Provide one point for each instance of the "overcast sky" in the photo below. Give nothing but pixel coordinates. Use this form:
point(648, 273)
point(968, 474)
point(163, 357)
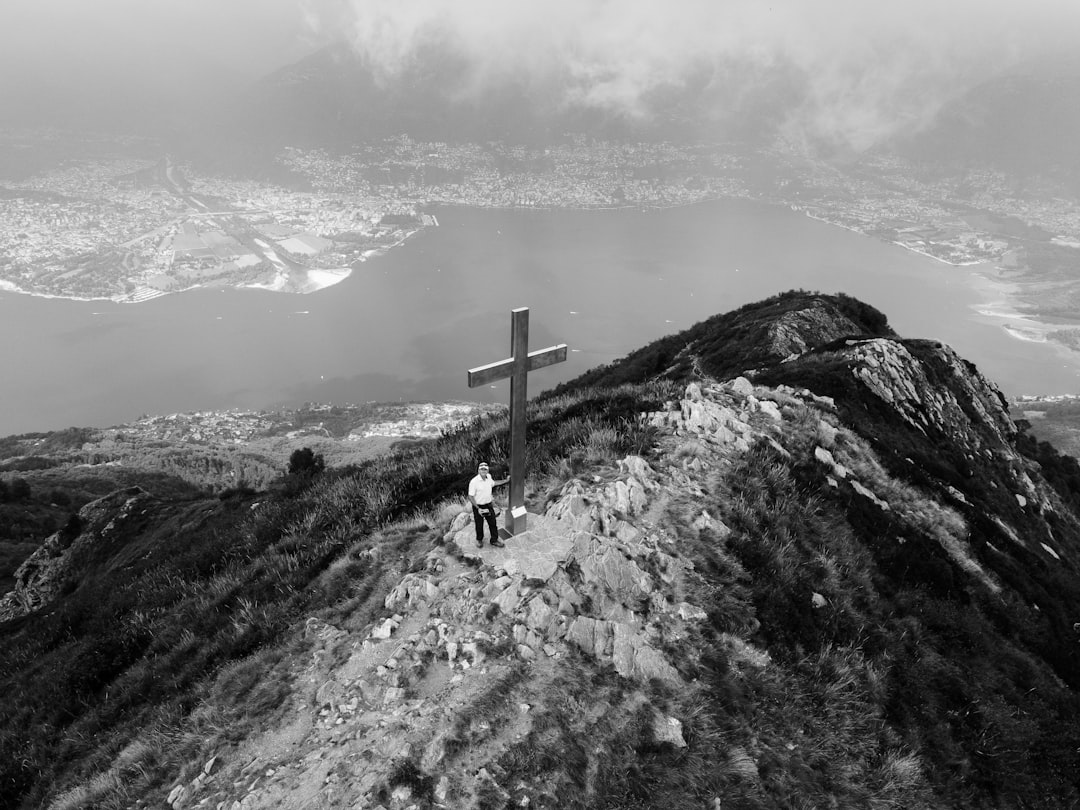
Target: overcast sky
point(117, 53)
point(870, 67)
point(874, 65)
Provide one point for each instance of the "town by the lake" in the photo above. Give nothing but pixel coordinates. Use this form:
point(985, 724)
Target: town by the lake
point(118, 227)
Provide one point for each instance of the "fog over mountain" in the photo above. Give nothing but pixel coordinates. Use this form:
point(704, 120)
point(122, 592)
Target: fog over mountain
point(116, 63)
point(837, 70)
point(840, 72)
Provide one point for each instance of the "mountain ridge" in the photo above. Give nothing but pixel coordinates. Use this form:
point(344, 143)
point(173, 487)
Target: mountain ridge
point(788, 556)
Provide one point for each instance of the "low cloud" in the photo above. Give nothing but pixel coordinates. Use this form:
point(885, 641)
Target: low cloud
point(120, 58)
point(852, 72)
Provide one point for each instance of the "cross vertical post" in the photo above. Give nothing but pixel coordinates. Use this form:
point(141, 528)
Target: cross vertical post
point(519, 347)
point(517, 368)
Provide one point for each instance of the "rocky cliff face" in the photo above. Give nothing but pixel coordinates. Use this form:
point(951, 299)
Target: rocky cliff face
point(798, 330)
point(59, 562)
point(937, 421)
point(834, 579)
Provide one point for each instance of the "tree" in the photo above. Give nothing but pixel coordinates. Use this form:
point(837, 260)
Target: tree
point(19, 489)
point(306, 463)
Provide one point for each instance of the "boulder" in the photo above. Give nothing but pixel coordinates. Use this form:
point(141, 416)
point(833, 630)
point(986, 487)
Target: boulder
point(508, 599)
point(741, 385)
point(606, 568)
point(384, 629)
point(668, 730)
point(540, 617)
point(770, 409)
point(592, 636)
point(635, 659)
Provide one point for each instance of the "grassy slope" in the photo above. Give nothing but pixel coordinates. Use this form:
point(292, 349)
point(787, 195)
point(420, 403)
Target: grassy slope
point(207, 582)
point(52, 492)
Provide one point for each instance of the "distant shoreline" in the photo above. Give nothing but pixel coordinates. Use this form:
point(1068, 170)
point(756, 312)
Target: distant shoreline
point(625, 207)
point(328, 278)
point(318, 279)
point(324, 278)
point(220, 349)
point(890, 241)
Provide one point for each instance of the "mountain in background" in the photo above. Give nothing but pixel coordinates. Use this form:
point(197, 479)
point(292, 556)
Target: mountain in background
point(1025, 123)
point(334, 99)
point(785, 557)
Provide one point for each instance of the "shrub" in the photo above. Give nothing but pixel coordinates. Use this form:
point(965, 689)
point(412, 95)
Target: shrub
point(19, 490)
point(305, 462)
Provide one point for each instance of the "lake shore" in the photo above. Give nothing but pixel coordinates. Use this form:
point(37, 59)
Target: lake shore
point(406, 325)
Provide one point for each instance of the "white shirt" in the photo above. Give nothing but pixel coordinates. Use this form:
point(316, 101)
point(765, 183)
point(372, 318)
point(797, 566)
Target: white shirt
point(480, 489)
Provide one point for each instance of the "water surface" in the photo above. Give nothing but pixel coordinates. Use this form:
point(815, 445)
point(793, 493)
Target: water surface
point(408, 324)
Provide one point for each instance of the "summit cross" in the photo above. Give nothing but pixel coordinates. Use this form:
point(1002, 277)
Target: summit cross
point(517, 367)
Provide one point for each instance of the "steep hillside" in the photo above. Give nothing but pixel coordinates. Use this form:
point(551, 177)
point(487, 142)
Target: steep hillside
point(785, 559)
point(47, 477)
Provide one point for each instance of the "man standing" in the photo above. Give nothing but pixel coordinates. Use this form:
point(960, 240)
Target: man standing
point(482, 506)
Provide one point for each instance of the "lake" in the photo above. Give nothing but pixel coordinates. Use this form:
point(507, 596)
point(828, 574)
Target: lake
point(407, 325)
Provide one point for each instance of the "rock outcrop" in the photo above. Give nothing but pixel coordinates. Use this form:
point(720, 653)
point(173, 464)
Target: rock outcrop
point(596, 575)
point(599, 575)
point(932, 416)
point(961, 404)
point(800, 330)
point(59, 561)
point(585, 579)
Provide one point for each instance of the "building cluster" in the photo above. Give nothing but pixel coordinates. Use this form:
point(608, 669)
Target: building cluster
point(125, 229)
point(202, 427)
point(310, 229)
point(1036, 202)
point(92, 229)
point(884, 197)
point(576, 174)
point(74, 231)
point(426, 420)
point(415, 420)
point(1056, 399)
point(288, 212)
point(958, 219)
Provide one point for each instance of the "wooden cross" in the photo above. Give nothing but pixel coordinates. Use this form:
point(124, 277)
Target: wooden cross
point(517, 367)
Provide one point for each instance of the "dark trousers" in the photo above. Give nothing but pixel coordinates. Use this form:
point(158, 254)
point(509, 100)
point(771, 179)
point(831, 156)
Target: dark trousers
point(482, 513)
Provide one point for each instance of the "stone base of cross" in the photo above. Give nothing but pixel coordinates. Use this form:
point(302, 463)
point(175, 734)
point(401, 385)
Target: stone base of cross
point(516, 368)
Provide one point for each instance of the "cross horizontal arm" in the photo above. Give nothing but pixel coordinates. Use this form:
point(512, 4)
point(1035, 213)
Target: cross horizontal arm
point(482, 375)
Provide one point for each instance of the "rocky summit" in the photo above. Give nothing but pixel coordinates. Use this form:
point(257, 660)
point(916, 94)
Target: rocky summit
point(786, 558)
